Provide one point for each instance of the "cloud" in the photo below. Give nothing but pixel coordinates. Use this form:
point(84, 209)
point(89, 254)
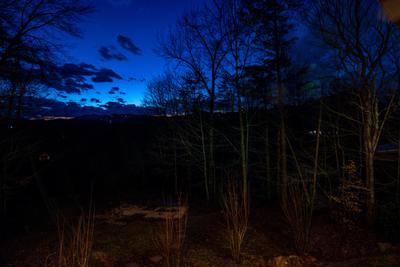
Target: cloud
point(134, 79)
point(121, 100)
point(102, 79)
point(74, 78)
point(113, 90)
point(127, 44)
point(62, 96)
point(106, 75)
point(87, 66)
point(77, 72)
point(78, 85)
point(110, 53)
point(95, 100)
point(69, 86)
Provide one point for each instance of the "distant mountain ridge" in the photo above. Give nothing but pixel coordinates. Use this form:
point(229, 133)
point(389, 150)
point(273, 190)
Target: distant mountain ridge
point(37, 108)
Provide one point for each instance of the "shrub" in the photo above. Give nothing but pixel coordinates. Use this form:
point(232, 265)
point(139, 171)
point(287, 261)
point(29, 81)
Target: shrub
point(298, 210)
point(76, 241)
point(349, 201)
point(170, 236)
point(236, 211)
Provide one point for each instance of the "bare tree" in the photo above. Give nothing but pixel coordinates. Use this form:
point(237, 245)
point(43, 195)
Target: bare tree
point(241, 52)
point(162, 93)
point(361, 42)
point(198, 45)
point(30, 38)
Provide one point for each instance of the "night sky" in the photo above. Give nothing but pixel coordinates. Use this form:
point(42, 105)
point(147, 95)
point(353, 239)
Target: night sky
point(120, 35)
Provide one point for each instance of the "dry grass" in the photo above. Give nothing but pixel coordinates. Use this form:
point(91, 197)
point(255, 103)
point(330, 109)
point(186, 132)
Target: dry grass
point(298, 210)
point(76, 241)
point(236, 213)
point(299, 199)
point(170, 236)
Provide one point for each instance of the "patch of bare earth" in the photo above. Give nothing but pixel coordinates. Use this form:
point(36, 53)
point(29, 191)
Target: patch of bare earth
point(124, 236)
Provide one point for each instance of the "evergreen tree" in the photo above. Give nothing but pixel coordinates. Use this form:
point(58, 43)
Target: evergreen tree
point(273, 22)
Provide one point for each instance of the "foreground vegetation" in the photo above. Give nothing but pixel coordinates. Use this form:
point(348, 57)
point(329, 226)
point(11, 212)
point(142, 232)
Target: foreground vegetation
point(278, 161)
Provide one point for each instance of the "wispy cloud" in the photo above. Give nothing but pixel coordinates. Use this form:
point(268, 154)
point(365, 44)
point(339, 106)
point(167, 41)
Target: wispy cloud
point(110, 53)
point(127, 44)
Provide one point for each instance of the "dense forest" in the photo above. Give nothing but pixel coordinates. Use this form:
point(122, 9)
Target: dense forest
point(271, 139)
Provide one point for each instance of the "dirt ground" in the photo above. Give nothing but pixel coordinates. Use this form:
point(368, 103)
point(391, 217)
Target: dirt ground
point(129, 242)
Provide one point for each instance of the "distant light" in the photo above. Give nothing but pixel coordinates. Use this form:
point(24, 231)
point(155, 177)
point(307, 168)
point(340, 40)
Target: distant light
point(44, 157)
point(314, 132)
point(52, 118)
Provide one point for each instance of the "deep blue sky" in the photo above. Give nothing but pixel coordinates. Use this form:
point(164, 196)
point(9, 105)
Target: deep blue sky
point(139, 20)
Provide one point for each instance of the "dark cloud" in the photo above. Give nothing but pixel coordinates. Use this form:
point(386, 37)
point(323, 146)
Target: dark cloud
point(106, 75)
point(78, 85)
point(102, 79)
point(73, 79)
point(62, 96)
point(63, 87)
point(133, 79)
point(68, 78)
point(72, 104)
point(70, 86)
point(95, 100)
point(113, 91)
point(121, 100)
point(77, 71)
point(127, 44)
point(122, 93)
point(110, 53)
point(83, 100)
point(87, 66)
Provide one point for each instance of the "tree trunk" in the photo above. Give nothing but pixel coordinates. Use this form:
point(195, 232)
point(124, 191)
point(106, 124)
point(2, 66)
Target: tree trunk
point(268, 163)
point(282, 155)
point(211, 152)
point(371, 187)
point(11, 100)
point(283, 160)
point(243, 144)
point(398, 171)
point(205, 162)
point(369, 126)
